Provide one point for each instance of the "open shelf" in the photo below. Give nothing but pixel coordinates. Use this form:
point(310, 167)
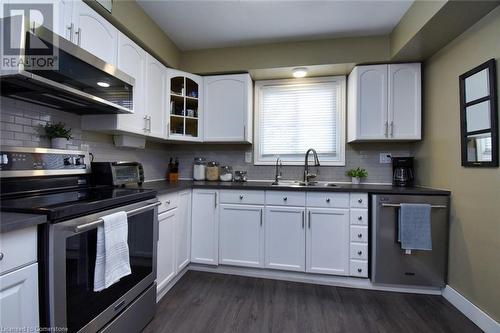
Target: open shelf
point(184, 94)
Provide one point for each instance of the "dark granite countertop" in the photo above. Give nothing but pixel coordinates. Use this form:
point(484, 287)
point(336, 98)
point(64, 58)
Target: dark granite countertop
point(13, 221)
point(163, 187)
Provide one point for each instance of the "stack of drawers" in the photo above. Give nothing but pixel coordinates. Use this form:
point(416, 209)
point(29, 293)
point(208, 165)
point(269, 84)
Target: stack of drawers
point(358, 247)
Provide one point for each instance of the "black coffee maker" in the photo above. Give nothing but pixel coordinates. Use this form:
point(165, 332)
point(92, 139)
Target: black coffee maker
point(402, 171)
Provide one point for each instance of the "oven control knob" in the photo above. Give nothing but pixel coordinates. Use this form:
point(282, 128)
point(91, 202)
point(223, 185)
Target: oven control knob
point(77, 161)
point(67, 161)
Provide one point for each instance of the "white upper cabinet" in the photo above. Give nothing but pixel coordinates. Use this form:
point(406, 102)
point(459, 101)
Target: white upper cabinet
point(404, 101)
point(185, 106)
point(156, 82)
point(228, 108)
point(384, 103)
point(94, 33)
point(327, 241)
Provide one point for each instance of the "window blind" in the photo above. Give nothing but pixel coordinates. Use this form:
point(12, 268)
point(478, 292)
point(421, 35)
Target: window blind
point(296, 117)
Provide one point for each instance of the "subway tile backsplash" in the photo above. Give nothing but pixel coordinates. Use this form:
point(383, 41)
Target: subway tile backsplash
point(21, 125)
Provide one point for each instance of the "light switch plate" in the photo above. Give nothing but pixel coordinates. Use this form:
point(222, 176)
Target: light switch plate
point(248, 156)
point(385, 158)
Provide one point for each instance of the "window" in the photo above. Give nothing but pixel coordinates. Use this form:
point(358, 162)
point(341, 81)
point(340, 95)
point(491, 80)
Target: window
point(295, 115)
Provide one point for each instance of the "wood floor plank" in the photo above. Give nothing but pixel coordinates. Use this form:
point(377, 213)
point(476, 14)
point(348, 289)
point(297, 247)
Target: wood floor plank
point(207, 302)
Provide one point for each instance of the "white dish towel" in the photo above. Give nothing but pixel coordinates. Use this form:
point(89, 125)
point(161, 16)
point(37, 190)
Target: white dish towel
point(112, 255)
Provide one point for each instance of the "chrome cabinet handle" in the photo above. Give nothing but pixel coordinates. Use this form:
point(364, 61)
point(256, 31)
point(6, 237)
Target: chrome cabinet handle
point(1, 256)
point(360, 218)
point(145, 128)
point(360, 253)
point(328, 200)
point(285, 198)
point(244, 132)
point(392, 129)
point(309, 219)
point(360, 200)
point(215, 201)
point(261, 217)
point(360, 235)
point(303, 218)
point(386, 131)
point(148, 122)
point(79, 36)
point(71, 28)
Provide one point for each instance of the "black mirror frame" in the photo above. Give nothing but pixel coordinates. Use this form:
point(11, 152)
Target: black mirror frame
point(492, 97)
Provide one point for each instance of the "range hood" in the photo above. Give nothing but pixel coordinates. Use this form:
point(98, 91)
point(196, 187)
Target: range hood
point(41, 67)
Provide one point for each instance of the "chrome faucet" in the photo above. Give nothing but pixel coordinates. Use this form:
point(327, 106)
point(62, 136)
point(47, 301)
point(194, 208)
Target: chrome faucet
point(279, 173)
point(307, 175)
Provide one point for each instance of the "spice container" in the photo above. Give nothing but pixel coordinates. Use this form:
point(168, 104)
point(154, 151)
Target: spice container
point(212, 171)
point(240, 176)
point(226, 173)
point(199, 168)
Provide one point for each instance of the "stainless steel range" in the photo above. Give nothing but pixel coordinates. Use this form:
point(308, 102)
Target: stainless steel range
point(57, 183)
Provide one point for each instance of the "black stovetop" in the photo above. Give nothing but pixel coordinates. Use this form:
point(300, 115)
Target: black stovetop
point(65, 204)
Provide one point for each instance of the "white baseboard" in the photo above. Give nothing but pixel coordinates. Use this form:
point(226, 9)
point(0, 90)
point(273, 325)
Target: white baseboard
point(327, 280)
point(475, 314)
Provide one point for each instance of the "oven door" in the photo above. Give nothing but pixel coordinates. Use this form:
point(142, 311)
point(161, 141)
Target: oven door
point(72, 253)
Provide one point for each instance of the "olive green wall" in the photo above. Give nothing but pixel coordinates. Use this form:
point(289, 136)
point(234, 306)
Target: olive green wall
point(474, 253)
point(129, 17)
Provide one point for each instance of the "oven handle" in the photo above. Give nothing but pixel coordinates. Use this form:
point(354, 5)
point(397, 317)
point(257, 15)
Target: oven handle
point(91, 225)
point(399, 205)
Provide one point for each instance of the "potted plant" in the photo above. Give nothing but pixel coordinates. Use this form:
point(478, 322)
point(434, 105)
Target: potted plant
point(357, 174)
point(58, 135)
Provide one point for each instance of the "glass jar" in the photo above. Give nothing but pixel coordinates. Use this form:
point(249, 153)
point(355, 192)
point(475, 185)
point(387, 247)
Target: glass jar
point(226, 173)
point(240, 176)
point(212, 171)
point(199, 166)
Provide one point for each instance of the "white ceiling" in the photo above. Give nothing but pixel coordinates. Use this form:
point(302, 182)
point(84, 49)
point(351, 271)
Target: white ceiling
point(210, 24)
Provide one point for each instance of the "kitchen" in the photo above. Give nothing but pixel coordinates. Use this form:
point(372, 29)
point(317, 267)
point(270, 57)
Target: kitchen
point(273, 166)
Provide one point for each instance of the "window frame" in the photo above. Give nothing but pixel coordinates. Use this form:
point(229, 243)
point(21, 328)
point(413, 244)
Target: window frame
point(341, 107)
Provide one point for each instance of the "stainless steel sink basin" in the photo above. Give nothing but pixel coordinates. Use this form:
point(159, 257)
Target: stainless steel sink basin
point(297, 183)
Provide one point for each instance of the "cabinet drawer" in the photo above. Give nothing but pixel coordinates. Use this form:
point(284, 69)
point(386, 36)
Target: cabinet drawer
point(325, 199)
point(17, 248)
point(168, 201)
point(359, 200)
point(358, 268)
point(359, 216)
point(358, 251)
point(242, 197)
point(359, 233)
point(289, 198)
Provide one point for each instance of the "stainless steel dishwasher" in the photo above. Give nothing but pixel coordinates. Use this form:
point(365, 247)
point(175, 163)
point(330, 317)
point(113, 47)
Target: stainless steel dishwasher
point(392, 265)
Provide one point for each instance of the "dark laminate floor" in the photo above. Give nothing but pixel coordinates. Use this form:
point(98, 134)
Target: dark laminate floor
point(205, 302)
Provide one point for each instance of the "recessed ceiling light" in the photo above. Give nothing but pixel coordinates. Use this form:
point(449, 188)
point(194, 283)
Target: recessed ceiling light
point(103, 84)
point(300, 72)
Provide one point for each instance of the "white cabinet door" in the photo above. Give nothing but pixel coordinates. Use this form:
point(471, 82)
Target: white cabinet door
point(166, 248)
point(371, 100)
point(241, 230)
point(228, 108)
point(183, 231)
point(327, 241)
point(156, 80)
point(205, 227)
point(285, 238)
point(19, 298)
point(405, 100)
point(132, 60)
point(94, 33)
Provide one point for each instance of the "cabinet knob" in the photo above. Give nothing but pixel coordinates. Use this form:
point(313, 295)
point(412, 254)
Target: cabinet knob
point(285, 198)
point(241, 197)
point(360, 253)
point(327, 199)
point(1, 255)
point(360, 200)
point(167, 202)
point(360, 235)
point(359, 270)
point(360, 218)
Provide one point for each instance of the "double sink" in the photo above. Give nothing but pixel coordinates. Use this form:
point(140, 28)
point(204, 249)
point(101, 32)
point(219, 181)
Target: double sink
point(297, 183)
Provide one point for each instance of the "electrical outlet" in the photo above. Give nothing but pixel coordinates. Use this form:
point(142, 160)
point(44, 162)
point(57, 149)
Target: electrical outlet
point(248, 156)
point(385, 158)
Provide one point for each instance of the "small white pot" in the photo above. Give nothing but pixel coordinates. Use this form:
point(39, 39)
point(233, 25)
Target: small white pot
point(59, 143)
point(355, 180)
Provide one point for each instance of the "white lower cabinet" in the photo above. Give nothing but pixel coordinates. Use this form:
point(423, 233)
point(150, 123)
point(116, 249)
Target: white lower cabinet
point(19, 298)
point(205, 227)
point(183, 231)
point(327, 241)
point(285, 238)
point(241, 235)
point(166, 248)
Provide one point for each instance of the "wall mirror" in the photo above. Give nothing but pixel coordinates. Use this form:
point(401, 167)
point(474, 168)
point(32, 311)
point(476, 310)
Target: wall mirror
point(479, 116)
